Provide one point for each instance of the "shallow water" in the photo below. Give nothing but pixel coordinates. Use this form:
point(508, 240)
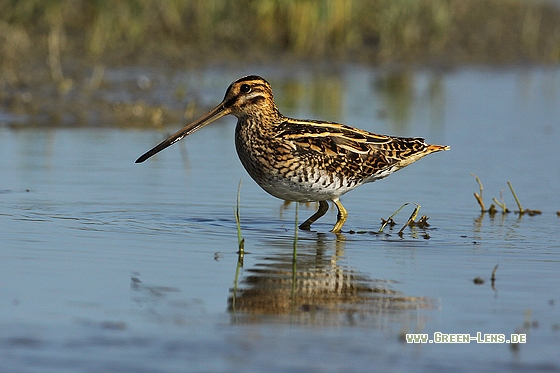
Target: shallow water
point(108, 265)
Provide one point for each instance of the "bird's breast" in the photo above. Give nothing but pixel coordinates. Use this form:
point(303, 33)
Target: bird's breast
point(283, 172)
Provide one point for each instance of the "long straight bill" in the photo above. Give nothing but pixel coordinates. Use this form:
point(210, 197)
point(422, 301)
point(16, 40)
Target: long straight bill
point(216, 113)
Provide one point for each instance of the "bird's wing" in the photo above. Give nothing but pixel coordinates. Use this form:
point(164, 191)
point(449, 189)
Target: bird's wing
point(341, 146)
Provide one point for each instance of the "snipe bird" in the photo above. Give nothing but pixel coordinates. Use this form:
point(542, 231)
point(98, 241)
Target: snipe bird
point(303, 160)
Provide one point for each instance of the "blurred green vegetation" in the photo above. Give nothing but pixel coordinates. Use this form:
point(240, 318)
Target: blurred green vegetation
point(195, 31)
point(54, 53)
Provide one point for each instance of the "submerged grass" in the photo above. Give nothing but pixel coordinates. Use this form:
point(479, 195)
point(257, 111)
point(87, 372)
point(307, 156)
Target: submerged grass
point(410, 222)
point(492, 210)
point(240, 251)
point(480, 281)
point(240, 239)
point(390, 220)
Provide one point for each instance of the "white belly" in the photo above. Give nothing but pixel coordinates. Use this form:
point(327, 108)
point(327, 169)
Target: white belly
point(318, 188)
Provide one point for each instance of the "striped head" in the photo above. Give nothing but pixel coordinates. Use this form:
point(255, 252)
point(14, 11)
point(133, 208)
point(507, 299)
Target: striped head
point(249, 95)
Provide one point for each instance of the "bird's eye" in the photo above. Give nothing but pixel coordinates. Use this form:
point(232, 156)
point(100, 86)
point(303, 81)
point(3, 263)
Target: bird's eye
point(245, 88)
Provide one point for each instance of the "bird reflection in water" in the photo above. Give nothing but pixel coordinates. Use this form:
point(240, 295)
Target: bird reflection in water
point(315, 289)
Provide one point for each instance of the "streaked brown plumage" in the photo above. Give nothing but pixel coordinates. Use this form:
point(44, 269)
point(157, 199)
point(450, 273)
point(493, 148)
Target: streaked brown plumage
point(303, 160)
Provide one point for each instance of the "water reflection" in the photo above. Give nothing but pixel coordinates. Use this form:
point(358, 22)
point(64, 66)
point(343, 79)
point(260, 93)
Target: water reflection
point(162, 304)
point(316, 289)
point(323, 95)
point(396, 90)
point(138, 97)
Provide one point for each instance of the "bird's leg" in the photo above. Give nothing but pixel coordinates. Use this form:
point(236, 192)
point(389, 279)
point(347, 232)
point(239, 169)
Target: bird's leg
point(342, 215)
point(323, 208)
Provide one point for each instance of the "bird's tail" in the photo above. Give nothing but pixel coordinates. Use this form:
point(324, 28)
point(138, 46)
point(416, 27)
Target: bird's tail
point(437, 148)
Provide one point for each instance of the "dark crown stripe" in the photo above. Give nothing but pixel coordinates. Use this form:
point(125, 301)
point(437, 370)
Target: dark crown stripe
point(249, 78)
